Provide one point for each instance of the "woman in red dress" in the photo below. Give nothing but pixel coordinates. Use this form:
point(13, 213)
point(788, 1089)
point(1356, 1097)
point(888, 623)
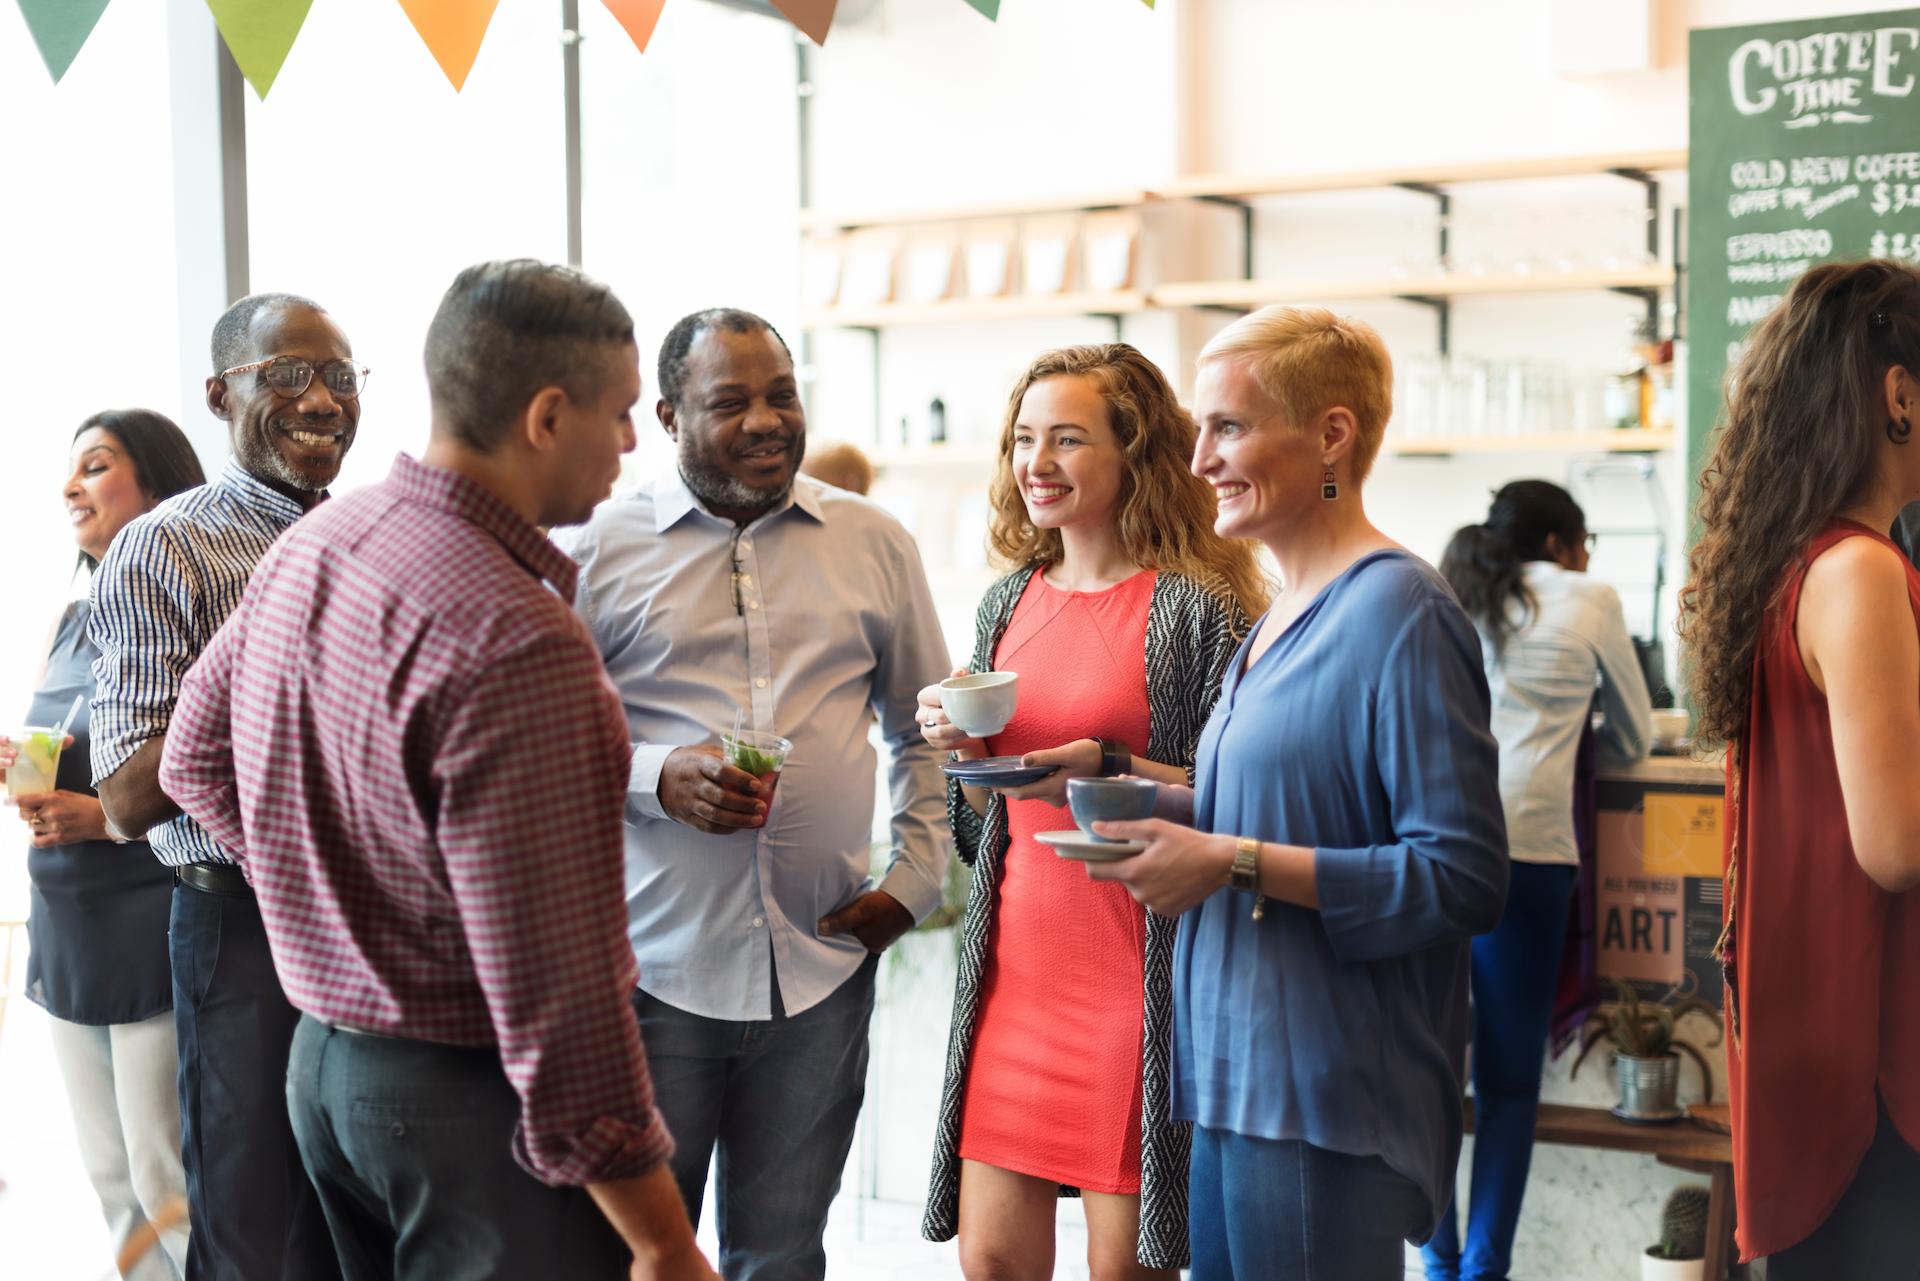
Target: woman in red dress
point(1120, 617)
point(1803, 625)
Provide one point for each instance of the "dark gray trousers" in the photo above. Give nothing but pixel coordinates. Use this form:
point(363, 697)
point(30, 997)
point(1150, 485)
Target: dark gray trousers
point(411, 1147)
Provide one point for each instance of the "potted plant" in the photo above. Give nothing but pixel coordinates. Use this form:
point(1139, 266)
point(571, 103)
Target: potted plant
point(1647, 1052)
point(1681, 1254)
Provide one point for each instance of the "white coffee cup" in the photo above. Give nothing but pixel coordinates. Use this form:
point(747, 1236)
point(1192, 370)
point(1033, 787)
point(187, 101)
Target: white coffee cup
point(980, 704)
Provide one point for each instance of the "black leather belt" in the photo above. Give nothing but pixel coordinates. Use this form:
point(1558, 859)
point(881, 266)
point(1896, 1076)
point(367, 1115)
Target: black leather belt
point(214, 878)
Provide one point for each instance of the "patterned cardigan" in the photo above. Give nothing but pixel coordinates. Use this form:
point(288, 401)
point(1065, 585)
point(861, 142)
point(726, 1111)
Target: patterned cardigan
point(1193, 630)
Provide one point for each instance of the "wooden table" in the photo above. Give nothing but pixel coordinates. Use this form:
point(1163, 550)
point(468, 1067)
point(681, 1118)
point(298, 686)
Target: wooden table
point(1685, 1144)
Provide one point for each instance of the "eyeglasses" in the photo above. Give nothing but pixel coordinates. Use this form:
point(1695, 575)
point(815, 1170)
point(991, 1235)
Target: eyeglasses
point(290, 376)
point(1592, 541)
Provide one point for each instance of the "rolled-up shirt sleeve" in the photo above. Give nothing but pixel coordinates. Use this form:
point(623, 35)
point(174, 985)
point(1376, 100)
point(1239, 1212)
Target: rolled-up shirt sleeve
point(196, 767)
point(1445, 877)
point(144, 604)
point(531, 777)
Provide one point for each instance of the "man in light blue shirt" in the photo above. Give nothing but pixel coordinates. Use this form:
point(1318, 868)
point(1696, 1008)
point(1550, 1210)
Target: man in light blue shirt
point(732, 586)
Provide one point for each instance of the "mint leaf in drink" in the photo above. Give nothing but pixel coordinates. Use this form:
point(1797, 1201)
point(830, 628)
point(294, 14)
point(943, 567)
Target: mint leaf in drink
point(753, 760)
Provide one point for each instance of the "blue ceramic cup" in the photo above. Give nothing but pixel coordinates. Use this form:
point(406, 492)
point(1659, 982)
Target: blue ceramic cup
point(1101, 800)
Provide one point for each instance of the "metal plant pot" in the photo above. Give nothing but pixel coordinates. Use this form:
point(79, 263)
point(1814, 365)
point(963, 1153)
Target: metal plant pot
point(1649, 1088)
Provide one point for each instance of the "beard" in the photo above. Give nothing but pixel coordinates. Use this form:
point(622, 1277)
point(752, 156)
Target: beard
point(264, 459)
point(718, 488)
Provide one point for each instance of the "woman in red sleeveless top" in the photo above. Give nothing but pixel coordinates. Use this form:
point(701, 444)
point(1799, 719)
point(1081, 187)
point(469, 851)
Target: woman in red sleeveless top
point(1120, 615)
point(1802, 623)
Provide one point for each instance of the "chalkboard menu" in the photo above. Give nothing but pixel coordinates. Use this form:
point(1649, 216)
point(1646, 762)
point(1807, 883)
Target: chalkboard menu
point(1805, 146)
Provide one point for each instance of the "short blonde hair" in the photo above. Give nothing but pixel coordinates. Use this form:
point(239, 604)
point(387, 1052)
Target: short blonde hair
point(1308, 360)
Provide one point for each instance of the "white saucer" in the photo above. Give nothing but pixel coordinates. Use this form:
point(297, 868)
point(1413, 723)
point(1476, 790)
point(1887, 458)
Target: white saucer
point(1076, 844)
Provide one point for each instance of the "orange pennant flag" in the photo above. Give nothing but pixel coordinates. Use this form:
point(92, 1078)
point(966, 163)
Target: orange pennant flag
point(811, 16)
point(639, 17)
point(452, 30)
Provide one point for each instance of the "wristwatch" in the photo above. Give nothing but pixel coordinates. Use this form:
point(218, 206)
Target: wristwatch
point(1246, 872)
point(1114, 757)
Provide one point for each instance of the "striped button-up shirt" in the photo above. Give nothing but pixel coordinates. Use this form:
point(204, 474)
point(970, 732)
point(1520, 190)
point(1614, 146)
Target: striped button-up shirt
point(171, 577)
point(410, 743)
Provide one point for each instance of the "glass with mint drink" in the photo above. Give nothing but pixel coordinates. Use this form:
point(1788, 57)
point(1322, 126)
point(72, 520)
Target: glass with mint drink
point(759, 754)
point(35, 768)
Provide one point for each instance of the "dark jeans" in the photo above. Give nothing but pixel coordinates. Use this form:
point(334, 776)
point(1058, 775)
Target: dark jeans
point(411, 1146)
point(779, 1099)
point(1268, 1210)
point(1515, 975)
point(1875, 1230)
point(253, 1212)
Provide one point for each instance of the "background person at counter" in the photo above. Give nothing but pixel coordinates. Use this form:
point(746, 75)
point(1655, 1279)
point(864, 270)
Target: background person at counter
point(1348, 775)
point(1803, 622)
point(1547, 632)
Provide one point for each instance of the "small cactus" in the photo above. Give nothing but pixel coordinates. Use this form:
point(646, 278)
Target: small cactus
point(1683, 1224)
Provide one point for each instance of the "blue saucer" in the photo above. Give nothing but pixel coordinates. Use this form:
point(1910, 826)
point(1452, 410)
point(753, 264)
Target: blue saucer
point(996, 771)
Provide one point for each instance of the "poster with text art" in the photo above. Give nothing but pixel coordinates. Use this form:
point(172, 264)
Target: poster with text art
point(1657, 899)
point(1804, 146)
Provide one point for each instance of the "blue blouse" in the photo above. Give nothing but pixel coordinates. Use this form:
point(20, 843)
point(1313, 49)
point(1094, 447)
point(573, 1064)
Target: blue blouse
point(1361, 733)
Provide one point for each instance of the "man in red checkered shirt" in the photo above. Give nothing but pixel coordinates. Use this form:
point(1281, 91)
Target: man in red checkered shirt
point(406, 735)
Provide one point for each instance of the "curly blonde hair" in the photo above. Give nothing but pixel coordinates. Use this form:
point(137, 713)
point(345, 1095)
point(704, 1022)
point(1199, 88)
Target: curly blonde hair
point(1804, 416)
point(1164, 518)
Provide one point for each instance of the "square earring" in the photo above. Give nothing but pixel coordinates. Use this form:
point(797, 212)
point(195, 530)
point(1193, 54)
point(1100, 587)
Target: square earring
point(1329, 489)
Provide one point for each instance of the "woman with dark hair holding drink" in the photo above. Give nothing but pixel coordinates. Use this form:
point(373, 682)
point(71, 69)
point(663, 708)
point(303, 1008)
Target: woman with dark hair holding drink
point(1548, 634)
point(97, 920)
point(1802, 627)
point(1121, 612)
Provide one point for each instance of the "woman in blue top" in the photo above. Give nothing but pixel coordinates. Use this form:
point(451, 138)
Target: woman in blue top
point(1341, 843)
point(97, 915)
point(1549, 633)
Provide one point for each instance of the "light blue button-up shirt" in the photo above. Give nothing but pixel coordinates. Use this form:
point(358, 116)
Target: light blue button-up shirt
point(834, 624)
point(1542, 683)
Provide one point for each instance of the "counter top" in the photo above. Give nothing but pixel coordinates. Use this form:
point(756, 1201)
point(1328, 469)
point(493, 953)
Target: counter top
point(1709, 771)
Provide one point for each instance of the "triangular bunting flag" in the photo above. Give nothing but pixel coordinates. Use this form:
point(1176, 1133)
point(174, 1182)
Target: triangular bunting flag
point(991, 8)
point(811, 16)
point(60, 27)
point(258, 34)
point(639, 17)
point(452, 30)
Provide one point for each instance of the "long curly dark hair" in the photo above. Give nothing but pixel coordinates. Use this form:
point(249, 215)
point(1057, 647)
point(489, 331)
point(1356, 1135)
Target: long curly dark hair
point(1165, 514)
point(1805, 412)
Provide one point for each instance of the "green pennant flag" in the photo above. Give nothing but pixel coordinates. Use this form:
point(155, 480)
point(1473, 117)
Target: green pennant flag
point(990, 8)
point(258, 34)
point(60, 27)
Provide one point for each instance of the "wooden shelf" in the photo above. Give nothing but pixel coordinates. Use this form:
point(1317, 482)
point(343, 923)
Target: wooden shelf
point(1632, 441)
point(960, 310)
point(936, 456)
point(1563, 442)
point(1232, 187)
point(829, 220)
point(1458, 284)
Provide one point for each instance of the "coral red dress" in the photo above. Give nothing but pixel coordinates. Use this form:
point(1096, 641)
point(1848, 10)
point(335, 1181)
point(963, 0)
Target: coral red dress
point(1826, 963)
point(1053, 1089)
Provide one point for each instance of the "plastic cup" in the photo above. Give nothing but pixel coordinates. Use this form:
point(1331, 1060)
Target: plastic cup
point(37, 767)
point(759, 754)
